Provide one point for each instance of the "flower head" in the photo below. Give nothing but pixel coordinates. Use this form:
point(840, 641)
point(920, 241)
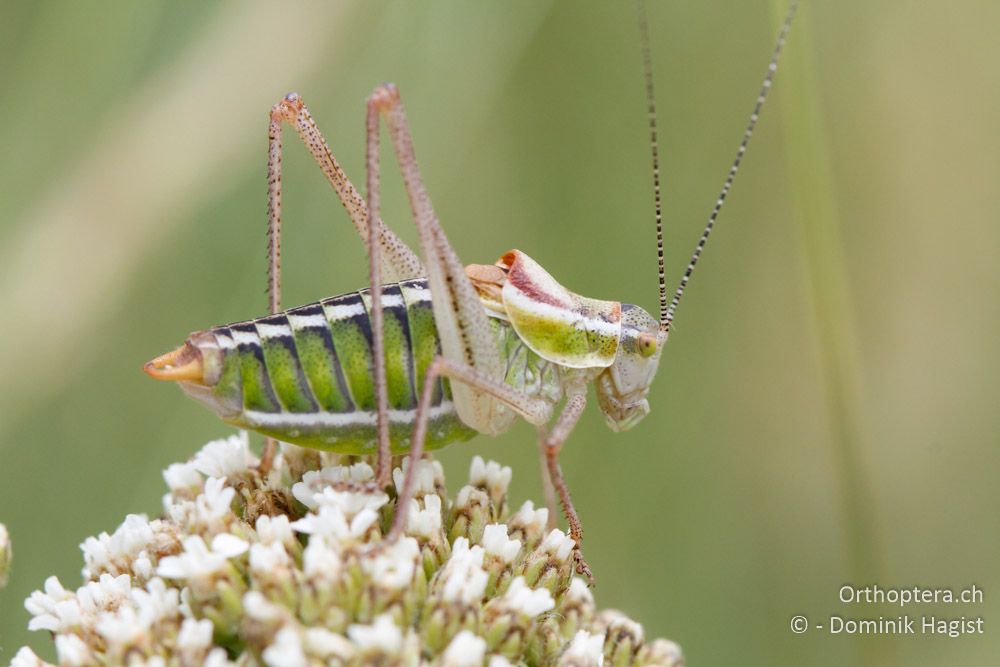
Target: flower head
point(310, 581)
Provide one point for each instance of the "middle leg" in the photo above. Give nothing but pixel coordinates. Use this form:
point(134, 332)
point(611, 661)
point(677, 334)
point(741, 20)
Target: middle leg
point(533, 410)
point(552, 445)
point(383, 464)
point(547, 488)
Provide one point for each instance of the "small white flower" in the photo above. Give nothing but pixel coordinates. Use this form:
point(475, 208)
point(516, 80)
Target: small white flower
point(150, 661)
point(156, 601)
point(67, 615)
point(101, 553)
point(217, 658)
point(142, 567)
point(197, 561)
point(491, 476)
point(73, 651)
point(525, 601)
point(44, 606)
point(499, 661)
point(179, 512)
point(183, 478)
point(272, 529)
point(285, 650)
point(578, 593)
point(464, 579)
point(465, 650)
point(428, 476)
point(619, 625)
point(330, 522)
point(214, 506)
point(320, 562)
point(25, 657)
point(315, 481)
point(195, 636)
point(425, 523)
point(351, 503)
point(259, 608)
point(558, 544)
point(225, 458)
point(665, 653)
point(123, 628)
point(228, 545)
point(105, 593)
point(131, 624)
point(58, 610)
point(112, 553)
point(382, 635)
point(529, 519)
point(496, 543)
point(327, 645)
point(266, 559)
point(393, 567)
point(585, 649)
point(469, 496)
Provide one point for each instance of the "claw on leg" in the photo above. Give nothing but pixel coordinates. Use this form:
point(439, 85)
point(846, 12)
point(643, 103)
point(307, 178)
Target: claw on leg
point(552, 445)
point(582, 568)
point(572, 520)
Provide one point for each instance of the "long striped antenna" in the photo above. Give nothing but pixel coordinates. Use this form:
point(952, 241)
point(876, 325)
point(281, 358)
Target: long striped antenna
point(667, 318)
point(647, 66)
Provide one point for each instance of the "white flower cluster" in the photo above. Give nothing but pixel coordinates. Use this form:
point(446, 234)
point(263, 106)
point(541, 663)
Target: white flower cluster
point(290, 570)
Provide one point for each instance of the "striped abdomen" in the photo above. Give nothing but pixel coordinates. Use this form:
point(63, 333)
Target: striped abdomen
point(305, 376)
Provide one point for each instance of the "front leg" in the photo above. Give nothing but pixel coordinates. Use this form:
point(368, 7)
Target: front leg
point(551, 445)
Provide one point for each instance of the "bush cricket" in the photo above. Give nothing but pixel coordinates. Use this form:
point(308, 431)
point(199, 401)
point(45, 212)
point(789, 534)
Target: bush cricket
point(433, 351)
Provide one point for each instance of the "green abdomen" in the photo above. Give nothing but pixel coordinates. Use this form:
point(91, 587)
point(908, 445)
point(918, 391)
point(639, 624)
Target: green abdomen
point(305, 376)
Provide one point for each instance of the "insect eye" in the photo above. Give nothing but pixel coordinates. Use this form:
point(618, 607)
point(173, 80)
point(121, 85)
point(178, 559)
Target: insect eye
point(647, 344)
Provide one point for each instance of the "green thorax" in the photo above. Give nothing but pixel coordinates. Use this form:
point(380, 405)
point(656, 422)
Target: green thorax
point(561, 326)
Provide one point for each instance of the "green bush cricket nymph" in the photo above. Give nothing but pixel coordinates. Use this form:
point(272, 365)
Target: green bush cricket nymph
point(451, 350)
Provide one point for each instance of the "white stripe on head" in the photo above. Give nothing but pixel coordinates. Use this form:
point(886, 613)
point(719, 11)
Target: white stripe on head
point(563, 315)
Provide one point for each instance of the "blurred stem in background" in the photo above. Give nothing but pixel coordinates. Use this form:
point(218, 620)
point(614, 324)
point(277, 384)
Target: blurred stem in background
point(814, 197)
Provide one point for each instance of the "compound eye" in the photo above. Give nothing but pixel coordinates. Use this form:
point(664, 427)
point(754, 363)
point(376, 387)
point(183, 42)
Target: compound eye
point(647, 344)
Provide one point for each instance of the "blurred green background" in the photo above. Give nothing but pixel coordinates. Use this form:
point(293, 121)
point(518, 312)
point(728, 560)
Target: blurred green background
point(826, 411)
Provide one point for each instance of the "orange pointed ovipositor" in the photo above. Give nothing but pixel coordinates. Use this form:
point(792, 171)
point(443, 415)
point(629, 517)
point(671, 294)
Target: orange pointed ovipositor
point(179, 365)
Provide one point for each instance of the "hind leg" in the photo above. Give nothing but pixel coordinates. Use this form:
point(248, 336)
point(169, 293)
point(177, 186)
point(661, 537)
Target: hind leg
point(462, 325)
point(391, 256)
